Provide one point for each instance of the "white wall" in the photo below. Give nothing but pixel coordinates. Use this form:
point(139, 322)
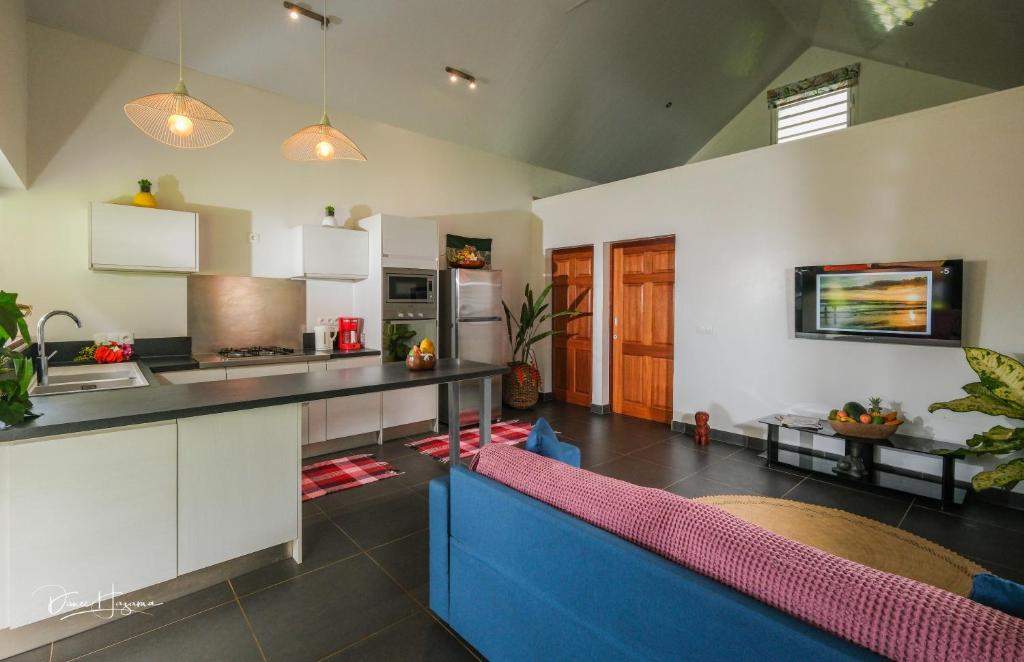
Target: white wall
point(13, 94)
point(938, 183)
point(83, 148)
point(883, 91)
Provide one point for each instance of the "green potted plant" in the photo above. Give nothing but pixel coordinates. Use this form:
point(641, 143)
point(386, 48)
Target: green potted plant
point(999, 393)
point(15, 368)
point(520, 388)
point(329, 221)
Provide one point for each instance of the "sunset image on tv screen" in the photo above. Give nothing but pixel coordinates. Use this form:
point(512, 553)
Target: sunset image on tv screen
point(883, 302)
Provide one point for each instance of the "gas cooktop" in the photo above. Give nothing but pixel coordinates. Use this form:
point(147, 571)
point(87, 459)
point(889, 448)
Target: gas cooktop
point(256, 355)
point(252, 352)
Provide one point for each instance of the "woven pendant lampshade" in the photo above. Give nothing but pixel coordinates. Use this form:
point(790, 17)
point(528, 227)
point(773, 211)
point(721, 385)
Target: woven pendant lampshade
point(321, 142)
point(177, 119)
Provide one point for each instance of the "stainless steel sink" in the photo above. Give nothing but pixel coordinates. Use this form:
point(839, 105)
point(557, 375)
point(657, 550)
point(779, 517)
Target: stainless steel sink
point(85, 378)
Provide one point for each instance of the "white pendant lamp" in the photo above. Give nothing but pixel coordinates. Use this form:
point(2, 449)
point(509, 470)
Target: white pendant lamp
point(177, 119)
point(321, 142)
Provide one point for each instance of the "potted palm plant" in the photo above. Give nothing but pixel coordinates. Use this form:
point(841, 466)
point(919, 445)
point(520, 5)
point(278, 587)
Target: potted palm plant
point(520, 388)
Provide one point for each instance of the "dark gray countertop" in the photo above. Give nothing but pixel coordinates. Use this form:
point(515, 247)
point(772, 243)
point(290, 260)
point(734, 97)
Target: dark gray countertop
point(81, 412)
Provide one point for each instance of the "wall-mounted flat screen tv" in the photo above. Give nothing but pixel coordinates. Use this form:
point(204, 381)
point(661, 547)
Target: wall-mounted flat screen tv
point(899, 302)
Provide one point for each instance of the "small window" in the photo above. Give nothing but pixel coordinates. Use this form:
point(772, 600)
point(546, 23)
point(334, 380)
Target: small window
point(813, 116)
point(813, 106)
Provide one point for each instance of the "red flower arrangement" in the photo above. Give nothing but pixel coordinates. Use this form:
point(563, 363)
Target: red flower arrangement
point(111, 352)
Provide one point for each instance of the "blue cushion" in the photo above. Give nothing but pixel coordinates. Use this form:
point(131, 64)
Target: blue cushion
point(998, 593)
point(544, 442)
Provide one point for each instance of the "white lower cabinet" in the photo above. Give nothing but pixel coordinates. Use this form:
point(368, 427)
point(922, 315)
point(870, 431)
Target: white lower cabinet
point(410, 405)
point(354, 414)
point(90, 514)
point(238, 484)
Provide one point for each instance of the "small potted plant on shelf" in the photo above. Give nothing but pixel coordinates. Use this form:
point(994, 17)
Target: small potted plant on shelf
point(520, 388)
point(144, 198)
point(329, 220)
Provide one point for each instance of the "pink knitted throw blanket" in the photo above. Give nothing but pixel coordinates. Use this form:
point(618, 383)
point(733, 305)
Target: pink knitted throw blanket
point(893, 616)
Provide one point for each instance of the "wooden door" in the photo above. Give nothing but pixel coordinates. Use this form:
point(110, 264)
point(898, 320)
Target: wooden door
point(572, 272)
point(643, 284)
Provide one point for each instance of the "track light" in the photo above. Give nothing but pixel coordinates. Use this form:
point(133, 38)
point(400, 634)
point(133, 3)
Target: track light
point(295, 11)
point(455, 74)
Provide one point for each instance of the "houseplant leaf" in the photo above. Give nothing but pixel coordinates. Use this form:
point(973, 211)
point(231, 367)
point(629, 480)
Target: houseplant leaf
point(1002, 375)
point(981, 399)
point(1005, 475)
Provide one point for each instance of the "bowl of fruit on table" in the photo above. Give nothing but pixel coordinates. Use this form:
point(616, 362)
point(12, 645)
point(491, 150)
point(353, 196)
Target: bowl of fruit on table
point(422, 356)
point(854, 420)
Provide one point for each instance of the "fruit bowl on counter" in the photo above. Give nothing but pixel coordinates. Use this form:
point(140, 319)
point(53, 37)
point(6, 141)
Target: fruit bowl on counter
point(422, 356)
point(855, 420)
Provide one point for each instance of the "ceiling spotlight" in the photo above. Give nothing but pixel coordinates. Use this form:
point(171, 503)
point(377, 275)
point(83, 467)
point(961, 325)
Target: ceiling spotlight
point(455, 74)
point(294, 14)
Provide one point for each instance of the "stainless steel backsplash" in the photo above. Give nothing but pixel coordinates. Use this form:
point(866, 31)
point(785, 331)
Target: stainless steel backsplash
point(233, 311)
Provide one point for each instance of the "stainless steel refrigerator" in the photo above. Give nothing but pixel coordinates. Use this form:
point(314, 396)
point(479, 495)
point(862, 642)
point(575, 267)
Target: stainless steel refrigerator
point(472, 327)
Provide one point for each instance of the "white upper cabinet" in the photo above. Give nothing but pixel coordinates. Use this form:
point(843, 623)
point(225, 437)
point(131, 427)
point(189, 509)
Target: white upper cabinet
point(409, 242)
point(127, 238)
point(329, 253)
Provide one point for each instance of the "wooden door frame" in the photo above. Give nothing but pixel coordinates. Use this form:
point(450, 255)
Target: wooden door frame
point(610, 305)
point(592, 249)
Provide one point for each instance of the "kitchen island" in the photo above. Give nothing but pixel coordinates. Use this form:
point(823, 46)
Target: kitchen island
point(129, 491)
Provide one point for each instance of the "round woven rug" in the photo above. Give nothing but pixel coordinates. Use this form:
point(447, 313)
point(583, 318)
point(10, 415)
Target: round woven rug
point(856, 538)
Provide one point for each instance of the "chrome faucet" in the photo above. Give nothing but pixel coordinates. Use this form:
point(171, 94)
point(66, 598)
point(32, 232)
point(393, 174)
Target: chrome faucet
point(44, 360)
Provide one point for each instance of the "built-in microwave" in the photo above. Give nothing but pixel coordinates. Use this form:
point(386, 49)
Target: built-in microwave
point(409, 293)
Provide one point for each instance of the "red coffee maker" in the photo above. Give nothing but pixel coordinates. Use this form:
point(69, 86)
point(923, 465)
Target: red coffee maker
point(350, 333)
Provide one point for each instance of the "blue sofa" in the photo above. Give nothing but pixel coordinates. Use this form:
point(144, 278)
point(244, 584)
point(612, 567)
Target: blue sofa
point(520, 580)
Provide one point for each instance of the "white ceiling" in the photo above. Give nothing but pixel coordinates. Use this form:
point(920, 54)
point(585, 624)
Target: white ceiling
point(579, 87)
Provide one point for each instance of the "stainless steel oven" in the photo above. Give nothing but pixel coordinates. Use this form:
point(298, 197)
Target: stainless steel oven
point(409, 293)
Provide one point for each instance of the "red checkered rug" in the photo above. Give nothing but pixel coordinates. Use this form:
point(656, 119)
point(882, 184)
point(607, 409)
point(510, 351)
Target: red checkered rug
point(506, 432)
point(343, 473)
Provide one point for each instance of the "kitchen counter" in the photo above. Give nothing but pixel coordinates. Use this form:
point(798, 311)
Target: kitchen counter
point(80, 412)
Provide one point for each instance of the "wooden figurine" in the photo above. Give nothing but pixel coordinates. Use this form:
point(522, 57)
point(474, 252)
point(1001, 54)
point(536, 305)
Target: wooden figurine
point(702, 430)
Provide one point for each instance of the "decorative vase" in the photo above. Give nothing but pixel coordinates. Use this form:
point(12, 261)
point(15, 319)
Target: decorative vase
point(144, 198)
point(520, 387)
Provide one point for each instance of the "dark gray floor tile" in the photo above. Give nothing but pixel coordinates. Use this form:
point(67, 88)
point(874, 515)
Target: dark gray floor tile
point(383, 520)
point(324, 611)
point(981, 511)
point(346, 499)
point(41, 654)
point(111, 632)
point(592, 452)
point(418, 637)
point(322, 543)
point(406, 560)
point(717, 448)
point(217, 635)
point(418, 468)
point(677, 453)
point(983, 542)
point(858, 502)
point(699, 486)
point(752, 478)
point(640, 472)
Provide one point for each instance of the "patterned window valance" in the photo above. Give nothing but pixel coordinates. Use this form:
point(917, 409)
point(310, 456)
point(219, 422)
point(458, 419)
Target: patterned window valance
point(829, 81)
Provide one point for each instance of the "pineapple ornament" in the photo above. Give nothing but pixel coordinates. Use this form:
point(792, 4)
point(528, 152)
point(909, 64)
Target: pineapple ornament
point(144, 198)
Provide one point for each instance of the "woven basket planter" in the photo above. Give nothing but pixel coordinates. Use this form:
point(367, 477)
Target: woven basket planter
point(520, 387)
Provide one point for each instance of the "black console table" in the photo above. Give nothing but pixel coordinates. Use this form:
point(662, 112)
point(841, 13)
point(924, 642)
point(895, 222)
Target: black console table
point(858, 464)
